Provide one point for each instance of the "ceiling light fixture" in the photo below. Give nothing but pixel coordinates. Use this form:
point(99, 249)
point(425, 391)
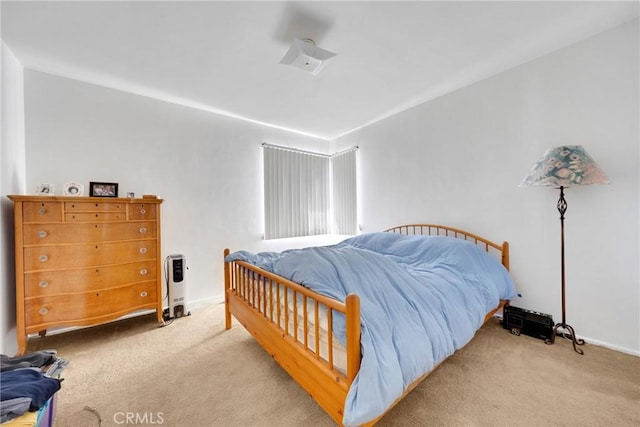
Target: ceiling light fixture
point(304, 54)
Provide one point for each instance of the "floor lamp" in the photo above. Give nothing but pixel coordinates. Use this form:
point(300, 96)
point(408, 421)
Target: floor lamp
point(562, 167)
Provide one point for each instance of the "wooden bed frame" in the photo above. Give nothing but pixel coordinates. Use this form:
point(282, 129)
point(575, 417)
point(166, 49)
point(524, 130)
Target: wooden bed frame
point(250, 296)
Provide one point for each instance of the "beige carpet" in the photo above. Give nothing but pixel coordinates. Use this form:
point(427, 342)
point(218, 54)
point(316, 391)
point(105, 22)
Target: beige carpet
point(193, 373)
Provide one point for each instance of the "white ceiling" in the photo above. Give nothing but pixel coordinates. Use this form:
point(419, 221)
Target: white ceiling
point(224, 56)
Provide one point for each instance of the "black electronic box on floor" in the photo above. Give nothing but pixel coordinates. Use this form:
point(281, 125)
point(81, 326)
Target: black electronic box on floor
point(527, 322)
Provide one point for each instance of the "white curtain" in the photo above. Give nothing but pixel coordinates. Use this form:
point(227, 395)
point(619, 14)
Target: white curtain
point(344, 192)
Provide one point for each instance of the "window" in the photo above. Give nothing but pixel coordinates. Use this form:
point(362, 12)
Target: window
point(308, 193)
point(344, 192)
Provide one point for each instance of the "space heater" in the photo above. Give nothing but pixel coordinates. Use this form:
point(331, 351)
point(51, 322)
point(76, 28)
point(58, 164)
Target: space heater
point(177, 286)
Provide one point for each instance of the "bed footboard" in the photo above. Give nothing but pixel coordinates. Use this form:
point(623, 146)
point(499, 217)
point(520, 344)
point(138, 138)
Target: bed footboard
point(295, 326)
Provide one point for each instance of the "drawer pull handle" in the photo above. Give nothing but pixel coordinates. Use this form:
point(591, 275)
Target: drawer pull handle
point(143, 294)
point(42, 211)
point(43, 310)
point(143, 250)
point(143, 271)
point(143, 211)
point(43, 284)
point(42, 234)
point(143, 230)
point(43, 258)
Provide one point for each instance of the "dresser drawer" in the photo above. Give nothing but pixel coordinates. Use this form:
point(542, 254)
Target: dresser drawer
point(55, 233)
point(87, 279)
point(78, 307)
point(87, 255)
point(142, 211)
point(94, 216)
point(95, 207)
point(44, 211)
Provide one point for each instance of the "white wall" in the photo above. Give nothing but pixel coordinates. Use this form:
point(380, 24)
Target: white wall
point(458, 160)
point(206, 167)
point(12, 171)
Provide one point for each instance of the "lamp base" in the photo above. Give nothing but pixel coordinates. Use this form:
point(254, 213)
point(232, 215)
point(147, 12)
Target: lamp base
point(568, 333)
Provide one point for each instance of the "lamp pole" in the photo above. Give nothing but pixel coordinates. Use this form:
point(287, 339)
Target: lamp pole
point(562, 208)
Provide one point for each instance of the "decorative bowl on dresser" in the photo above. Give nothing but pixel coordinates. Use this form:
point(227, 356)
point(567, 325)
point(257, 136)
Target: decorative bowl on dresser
point(84, 261)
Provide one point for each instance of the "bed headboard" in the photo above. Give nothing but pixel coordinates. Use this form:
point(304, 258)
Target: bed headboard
point(500, 250)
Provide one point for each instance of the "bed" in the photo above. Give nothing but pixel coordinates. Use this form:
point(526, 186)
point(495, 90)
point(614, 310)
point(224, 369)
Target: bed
point(361, 323)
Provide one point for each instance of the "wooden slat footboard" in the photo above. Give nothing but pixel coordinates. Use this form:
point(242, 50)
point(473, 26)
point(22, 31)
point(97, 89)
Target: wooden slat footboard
point(282, 315)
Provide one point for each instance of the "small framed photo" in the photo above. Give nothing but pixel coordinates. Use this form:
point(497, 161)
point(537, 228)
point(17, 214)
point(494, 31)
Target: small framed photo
point(73, 189)
point(46, 190)
point(103, 189)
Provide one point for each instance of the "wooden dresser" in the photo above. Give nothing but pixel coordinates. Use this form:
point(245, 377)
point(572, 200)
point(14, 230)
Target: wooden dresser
point(84, 260)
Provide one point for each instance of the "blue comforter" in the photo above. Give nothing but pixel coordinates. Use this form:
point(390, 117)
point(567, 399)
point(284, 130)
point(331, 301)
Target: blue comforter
point(422, 298)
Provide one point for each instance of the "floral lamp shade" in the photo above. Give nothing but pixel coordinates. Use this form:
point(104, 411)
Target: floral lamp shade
point(563, 167)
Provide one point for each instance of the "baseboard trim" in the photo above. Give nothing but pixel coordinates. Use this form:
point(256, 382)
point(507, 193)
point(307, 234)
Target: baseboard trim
point(611, 346)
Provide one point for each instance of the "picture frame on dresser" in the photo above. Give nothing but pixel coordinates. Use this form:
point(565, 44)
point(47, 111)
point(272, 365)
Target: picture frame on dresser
point(45, 190)
point(103, 189)
point(73, 189)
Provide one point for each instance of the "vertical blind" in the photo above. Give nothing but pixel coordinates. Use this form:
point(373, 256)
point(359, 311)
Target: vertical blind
point(304, 194)
point(296, 193)
point(344, 192)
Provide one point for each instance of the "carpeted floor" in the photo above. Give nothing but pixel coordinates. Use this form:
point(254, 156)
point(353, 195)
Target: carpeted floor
point(194, 373)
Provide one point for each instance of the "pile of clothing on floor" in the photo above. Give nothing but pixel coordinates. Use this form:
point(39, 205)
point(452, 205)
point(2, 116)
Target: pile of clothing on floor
point(27, 382)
